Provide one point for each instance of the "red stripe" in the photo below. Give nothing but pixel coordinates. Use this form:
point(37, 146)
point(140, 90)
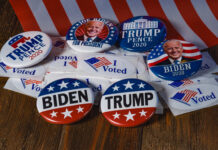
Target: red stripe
point(195, 23)
point(88, 9)
point(156, 62)
point(121, 10)
point(25, 15)
point(193, 57)
point(154, 9)
point(58, 15)
point(213, 4)
point(187, 44)
point(191, 51)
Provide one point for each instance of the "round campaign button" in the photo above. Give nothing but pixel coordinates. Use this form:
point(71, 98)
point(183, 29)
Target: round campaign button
point(174, 60)
point(129, 102)
point(26, 49)
point(139, 34)
point(92, 35)
point(65, 101)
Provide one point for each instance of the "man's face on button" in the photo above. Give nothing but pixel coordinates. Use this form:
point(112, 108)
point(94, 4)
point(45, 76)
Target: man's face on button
point(93, 28)
point(173, 49)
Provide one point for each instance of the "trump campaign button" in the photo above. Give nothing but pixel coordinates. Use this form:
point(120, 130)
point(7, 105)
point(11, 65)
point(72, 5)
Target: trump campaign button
point(174, 60)
point(139, 34)
point(129, 102)
point(65, 101)
point(92, 35)
point(26, 49)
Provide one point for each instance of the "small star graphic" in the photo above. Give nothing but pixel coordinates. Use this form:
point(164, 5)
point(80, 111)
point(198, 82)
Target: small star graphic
point(115, 88)
point(142, 113)
point(80, 109)
point(116, 116)
point(129, 116)
point(141, 85)
point(67, 113)
point(63, 85)
point(128, 85)
point(75, 84)
point(53, 114)
point(51, 88)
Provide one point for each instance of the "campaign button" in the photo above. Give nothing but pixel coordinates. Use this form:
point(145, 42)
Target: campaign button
point(26, 49)
point(174, 60)
point(92, 35)
point(194, 97)
point(65, 101)
point(129, 102)
point(141, 33)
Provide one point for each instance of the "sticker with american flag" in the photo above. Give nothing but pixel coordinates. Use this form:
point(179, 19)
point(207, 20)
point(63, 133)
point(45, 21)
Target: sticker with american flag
point(174, 60)
point(65, 101)
point(4, 67)
point(96, 62)
point(129, 102)
point(181, 83)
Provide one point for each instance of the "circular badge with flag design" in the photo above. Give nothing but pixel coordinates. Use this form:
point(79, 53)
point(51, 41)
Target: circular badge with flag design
point(174, 60)
point(65, 101)
point(26, 49)
point(129, 102)
point(142, 33)
point(92, 35)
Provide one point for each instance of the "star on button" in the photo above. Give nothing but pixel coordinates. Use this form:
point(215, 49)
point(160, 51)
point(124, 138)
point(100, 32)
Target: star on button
point(115, 88)
point(80, 109)
point(75, 84)
point(67, 113)
point(63, 85)
point(116, 116)
point(53, 114)
point(141, 85)
point(128, 85)
point(143, 113)
point(51, 88)
point(129, 116)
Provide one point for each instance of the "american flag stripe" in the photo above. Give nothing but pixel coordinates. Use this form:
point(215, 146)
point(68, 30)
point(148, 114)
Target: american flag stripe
point(154, 9)
point(189, 14)
point(187, 82)
point(104, 60)
point(185, 20)
point(188, 95)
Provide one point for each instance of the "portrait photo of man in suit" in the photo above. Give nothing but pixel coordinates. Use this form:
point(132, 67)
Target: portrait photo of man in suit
point(174, 50)
point(91, 31)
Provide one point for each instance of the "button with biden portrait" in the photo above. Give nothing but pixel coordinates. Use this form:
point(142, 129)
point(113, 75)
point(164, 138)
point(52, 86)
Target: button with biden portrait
point(129, 102)
point(65, 101)
point(174, 60)
point(141, 33)
point(92, 35)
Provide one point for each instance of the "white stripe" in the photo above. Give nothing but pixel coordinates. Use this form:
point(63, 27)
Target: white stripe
point(206, 15)
point(157, 59)
point(42, 17)
point(191, 54)
point(105, 10)
point(173, 15)
point(190, 48)
point(72, 10)
point(137, 8)
point(186, 42)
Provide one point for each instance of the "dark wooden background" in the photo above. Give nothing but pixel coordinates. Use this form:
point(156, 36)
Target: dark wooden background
point(21, 127)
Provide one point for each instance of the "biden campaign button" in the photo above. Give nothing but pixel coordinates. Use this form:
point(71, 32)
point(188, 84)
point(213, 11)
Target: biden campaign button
point(142, 33)
point(26, 49)
point(92, 35)
point(194, 97)
point(65, 101)
point(129, 102)
point(174, 60)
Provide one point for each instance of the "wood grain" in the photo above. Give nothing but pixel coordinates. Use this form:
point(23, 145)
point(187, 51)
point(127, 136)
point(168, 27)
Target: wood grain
point(21, 127)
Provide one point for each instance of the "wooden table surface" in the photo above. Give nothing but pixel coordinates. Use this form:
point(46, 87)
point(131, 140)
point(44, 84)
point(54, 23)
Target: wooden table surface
point(21, 126)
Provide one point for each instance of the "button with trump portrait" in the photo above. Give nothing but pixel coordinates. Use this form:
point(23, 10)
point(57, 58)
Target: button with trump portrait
point(26, 49)
point(174, 60)
point(65, 101)
point(129, 102)
point(92, 35)
point(141, 33)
